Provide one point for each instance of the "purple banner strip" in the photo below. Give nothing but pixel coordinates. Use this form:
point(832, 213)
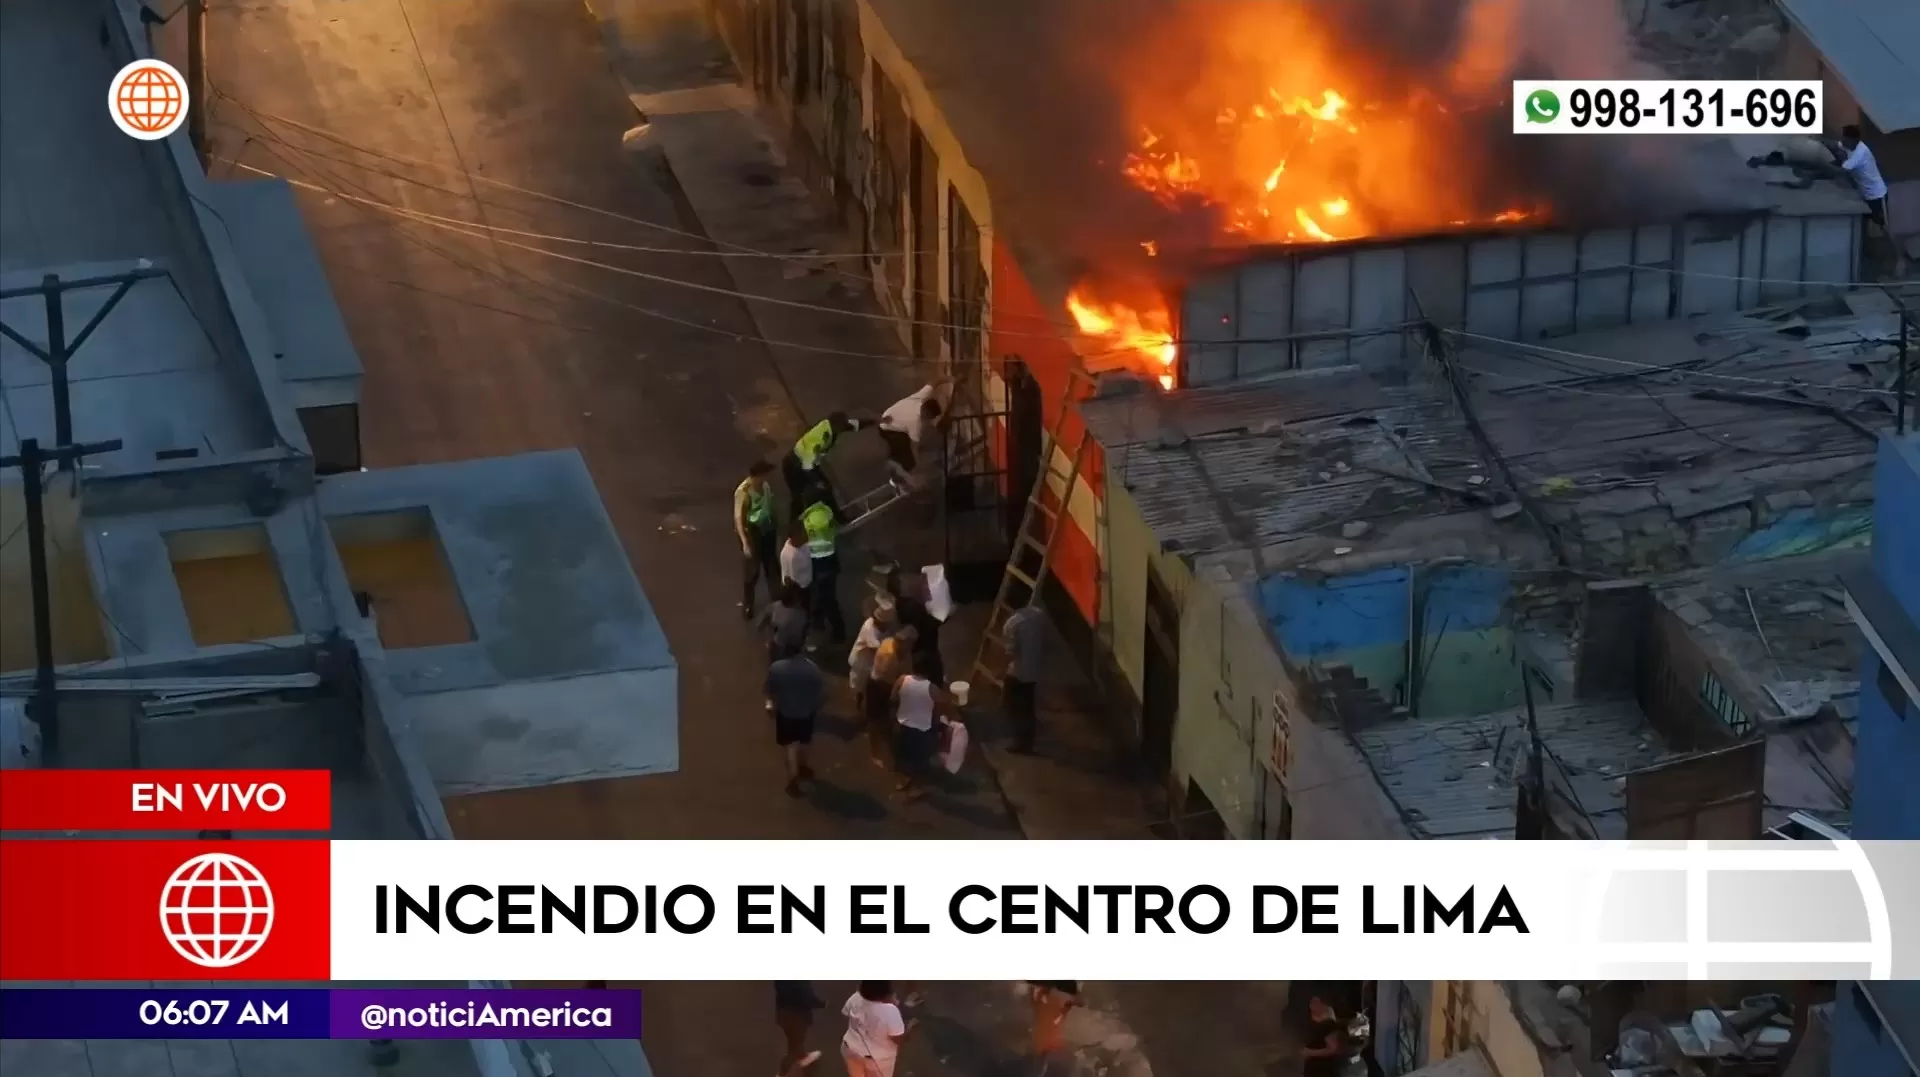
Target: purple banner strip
point(425, 1013)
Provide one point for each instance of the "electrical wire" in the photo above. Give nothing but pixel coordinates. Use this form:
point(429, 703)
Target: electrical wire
point(491, 234)
point(1678, 372)
point(731, 249)
point(501, 277)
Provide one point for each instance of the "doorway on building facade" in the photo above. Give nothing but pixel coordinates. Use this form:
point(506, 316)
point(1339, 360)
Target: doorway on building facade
point(1160, 688)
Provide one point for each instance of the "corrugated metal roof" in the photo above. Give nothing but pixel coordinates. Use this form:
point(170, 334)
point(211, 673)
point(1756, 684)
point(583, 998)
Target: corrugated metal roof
point(1454, 776)
point(1874, 47)
point(1255, 465)
point(1642, 473)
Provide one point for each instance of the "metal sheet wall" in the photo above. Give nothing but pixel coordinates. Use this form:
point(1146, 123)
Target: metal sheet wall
point(1352, 305)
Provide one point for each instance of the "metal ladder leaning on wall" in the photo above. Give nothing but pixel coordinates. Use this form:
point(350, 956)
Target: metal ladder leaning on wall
point(989, 665)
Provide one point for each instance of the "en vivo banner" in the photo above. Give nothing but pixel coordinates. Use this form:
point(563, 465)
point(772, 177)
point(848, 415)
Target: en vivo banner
point(221, 908)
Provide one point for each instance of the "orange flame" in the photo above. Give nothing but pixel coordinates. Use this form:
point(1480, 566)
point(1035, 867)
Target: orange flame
point(1141, 339)
point(1288, 139)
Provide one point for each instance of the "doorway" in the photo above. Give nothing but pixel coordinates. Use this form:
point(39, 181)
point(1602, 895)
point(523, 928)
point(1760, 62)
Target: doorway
point(1025, 440)
point(1160, 688)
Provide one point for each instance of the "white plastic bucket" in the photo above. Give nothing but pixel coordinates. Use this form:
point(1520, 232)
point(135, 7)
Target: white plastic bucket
point(960, 690)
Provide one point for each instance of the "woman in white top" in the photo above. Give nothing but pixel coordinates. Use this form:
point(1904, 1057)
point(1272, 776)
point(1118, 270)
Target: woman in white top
point(919, 707)
point(874, 1030)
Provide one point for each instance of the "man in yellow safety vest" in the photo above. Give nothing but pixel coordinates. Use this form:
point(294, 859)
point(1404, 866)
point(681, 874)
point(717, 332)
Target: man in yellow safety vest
point(801, 467)
point(753, 525)
point(823, 535)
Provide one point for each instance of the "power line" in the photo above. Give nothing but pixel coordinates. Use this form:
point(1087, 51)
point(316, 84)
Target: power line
point(1588, 356)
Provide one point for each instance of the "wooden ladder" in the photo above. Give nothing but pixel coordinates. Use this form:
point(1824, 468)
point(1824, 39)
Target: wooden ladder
point(989, 665)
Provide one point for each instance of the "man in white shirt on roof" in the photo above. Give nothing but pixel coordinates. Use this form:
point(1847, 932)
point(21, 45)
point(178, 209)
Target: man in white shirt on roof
point(1860, 166)
point(903, 425)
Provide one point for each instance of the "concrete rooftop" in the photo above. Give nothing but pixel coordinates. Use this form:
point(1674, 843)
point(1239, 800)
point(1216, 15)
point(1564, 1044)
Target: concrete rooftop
point(232, 632)
point(166, 369)
point(1625, 442)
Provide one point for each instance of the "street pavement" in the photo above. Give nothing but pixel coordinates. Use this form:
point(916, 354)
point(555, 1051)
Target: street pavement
point(402, 119)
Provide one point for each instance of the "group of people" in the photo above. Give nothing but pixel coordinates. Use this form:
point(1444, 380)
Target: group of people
point(897, 678)
point(878, 1023)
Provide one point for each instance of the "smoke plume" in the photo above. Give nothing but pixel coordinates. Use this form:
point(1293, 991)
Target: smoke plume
point(1429, 86)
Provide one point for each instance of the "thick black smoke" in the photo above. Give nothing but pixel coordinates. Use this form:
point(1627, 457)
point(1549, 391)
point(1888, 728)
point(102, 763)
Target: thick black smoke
point(1061, 74)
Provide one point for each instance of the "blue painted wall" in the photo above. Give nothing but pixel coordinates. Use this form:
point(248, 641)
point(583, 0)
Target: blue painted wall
point(1886, 800)
point(1362, 621)
point(1863, 1046)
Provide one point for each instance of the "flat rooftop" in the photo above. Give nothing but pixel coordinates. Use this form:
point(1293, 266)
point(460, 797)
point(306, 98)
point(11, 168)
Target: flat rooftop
point(1649, 450)
point(161, 372)
point(1455, 777)
point(1288, 470)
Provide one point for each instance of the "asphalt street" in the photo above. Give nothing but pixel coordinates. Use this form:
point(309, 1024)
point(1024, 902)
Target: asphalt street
point(509, 113)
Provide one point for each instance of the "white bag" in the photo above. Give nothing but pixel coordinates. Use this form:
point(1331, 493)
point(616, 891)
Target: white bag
point(955, 756)
point(939, 595)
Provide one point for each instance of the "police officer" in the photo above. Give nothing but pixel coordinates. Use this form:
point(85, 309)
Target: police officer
point(753, 524)
point(801, 467)
point(822, 526)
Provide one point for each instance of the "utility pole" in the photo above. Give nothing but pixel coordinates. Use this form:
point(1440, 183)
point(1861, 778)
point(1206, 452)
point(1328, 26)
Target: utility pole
point(197, 99)
point(45, 707)
point(1533, 817)
point(58, 348)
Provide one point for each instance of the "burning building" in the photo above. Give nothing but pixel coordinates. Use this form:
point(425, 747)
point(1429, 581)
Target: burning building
point(1201, 192)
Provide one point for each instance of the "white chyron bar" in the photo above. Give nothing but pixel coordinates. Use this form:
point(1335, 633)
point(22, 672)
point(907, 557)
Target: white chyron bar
point(1659, 107)
point(752, 910)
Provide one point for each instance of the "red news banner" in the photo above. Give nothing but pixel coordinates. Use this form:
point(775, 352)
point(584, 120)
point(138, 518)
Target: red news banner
point(205, 909)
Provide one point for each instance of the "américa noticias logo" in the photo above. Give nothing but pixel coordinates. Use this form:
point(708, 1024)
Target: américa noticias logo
point(216, 910)
point(148, 100)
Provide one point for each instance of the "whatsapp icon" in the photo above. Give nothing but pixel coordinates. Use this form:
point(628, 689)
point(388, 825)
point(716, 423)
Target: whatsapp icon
point(1543, 106)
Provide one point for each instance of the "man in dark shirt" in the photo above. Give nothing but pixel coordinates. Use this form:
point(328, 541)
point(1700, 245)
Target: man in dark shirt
point(794, 1004)
point(927, 660)
point(1026, 636)
point(787, 620)
point(1325, 1049)
point(796, 690)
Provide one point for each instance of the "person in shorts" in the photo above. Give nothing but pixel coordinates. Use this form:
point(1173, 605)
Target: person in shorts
point(796, 690)
point(794, 1005)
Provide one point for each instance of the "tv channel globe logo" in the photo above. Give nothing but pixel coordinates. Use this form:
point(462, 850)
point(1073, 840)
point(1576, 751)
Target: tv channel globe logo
point(148, 100)
point(216, 910)
point(1722, 910)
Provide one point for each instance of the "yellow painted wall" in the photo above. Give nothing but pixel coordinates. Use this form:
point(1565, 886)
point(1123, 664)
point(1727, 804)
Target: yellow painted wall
point(77, 626)
point(1495, 1030)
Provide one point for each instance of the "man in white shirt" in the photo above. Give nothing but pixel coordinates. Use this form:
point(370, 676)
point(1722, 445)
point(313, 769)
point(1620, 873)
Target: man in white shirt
point(904, 424)
point(1859, 164)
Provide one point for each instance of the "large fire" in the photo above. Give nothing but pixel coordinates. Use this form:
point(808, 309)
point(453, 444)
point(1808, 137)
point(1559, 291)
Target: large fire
point(1283, 135)
point(1137, 337)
